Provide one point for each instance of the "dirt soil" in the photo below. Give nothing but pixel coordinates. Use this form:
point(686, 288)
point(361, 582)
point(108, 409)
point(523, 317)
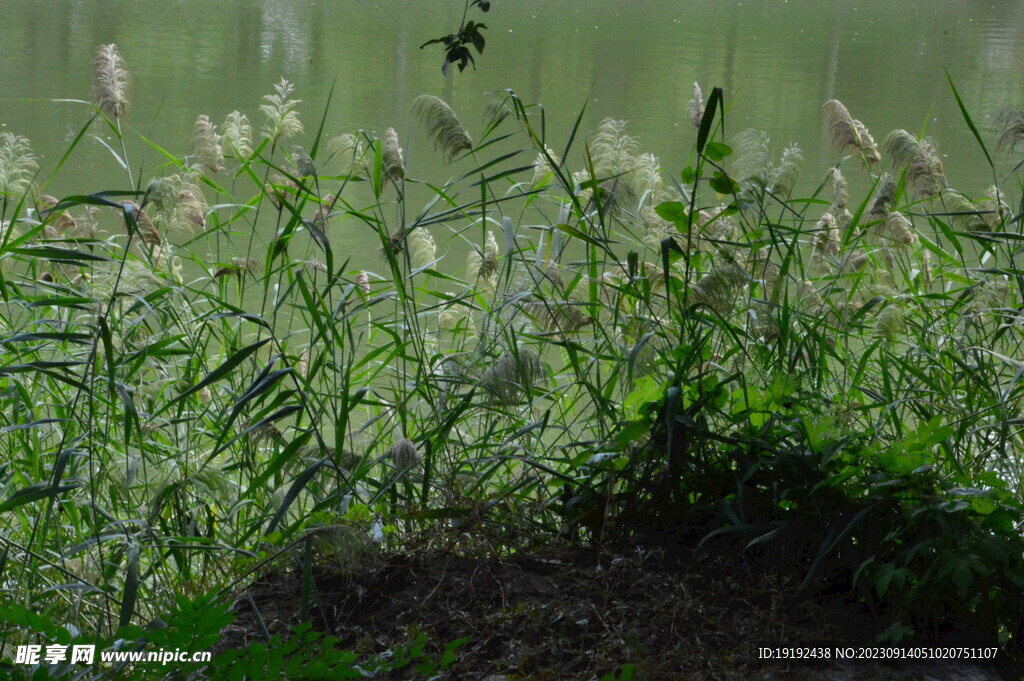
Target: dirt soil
point(567, 613)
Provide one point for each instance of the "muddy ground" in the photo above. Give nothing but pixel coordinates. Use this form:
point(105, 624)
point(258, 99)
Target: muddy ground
point(570, 613)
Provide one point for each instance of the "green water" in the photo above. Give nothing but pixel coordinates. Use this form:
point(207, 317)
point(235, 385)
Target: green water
point(777, 61)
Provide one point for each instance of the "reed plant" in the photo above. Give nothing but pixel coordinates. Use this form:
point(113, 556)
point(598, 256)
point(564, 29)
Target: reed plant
point(195, 377)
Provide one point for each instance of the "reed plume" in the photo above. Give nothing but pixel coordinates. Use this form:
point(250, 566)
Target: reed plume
point(282, 118)
point(496, 111)
point(451, 317)
point(751, 160)
point(542, 170)
point(718, 289)
point(313, 265)
point(394, 244)
point(236, 134)
point(279, 189)
point(323, 213)
point(826, 239)
point(890, 323)
point(612, 150)
point(885, 198)
point(645, 178)
point(352, 151)
point(782, 177)
point(995, 208)
point(920, 159)
point(111, 82)
point(17, 164)
point(239, 267)
point(363, 282)
point(482, 264)
point(558, 316)
point(404, 455)
point(443, 126)
point(837, 184)
point(59, 222)
point(178, 203)
point(1011, 128)
point(899, 229)
point(509, 376)
point(716, 225)
point(847, 131)
point(391, 156)
point(422, 249)
point(303, 162)
point(696, 106)
point(208, 153)
point(148, 232)
point(965, 215)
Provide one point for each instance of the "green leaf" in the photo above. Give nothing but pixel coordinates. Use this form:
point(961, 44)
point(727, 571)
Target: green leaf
point(717, 151)
point(673, 211)
point(648, 389)
point(706, 121)
point(967, 118)
point(723, 184)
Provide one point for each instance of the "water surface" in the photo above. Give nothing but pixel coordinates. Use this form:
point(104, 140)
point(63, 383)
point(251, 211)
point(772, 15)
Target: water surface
point(778, 61)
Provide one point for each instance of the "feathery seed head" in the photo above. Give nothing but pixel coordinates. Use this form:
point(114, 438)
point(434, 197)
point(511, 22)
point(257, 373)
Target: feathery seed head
point(178, 203)
point(17, 164)
point(967, 217)
point(645, 177)
point(282, 118)
point(394, 243)
point(899, 229)
point(509, 376)
point(696, 106)
point(304, 166)
point(363, 282)
point(561, 316)
point(751, 161)
point(209, 156)
point(857, 261)
point(826, 238)
point(885, 198)
point(920, 159)
point(846, 131)
point(901, 148)
point(239, 267)
point(782, 177)
point(995, 207)
point(837, 183)
point(890, 323)
point(718, 289)
point(236, 134)
point(391, 156)
point(279, 189)
point(443, 126)
point(1011, 126)
point(404, 455)
point(612, 150)
point(422, 249)
point(61, 222)
point(148, 232)
point(352, 151)
point(542, 170)
point(313, 265)
point(323, 213)
point(110, 82)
